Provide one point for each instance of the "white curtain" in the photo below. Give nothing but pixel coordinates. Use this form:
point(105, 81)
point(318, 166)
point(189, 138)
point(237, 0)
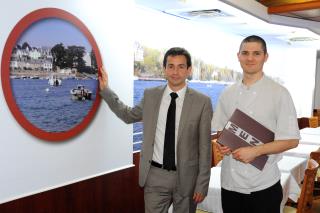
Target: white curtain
point(316, 99)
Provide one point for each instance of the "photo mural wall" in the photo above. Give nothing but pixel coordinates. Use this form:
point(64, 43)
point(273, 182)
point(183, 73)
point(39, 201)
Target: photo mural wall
point(54, 128)
point(215, 63)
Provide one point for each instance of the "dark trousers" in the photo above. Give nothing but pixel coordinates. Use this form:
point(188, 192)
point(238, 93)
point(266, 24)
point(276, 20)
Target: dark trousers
point(264, 201)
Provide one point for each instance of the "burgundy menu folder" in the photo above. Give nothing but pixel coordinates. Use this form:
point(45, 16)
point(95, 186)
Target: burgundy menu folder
point(242, 130)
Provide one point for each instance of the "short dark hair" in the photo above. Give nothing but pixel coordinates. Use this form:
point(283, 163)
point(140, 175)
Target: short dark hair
point(174, 51)
point(255, 38)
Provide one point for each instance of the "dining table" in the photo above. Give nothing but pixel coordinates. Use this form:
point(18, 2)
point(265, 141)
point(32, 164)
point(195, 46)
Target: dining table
point(310, 130)
point(312, 139)
point(302, 150)
point(294, 165)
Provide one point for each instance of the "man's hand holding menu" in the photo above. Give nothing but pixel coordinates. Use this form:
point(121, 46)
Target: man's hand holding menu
point(241, 134)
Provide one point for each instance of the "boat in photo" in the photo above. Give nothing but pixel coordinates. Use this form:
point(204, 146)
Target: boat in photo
point(80, 93)
point(54, 81)
point(34, 77)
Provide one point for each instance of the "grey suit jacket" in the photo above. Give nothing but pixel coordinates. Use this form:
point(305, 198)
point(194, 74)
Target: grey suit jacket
point(193, 143)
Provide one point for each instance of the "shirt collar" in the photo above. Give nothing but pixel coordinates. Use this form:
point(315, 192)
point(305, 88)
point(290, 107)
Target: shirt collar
point(255, 85)
point(181, 93)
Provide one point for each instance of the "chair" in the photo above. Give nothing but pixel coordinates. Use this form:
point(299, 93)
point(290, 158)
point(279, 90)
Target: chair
point(316, 190)
point(306, 196)
point(313, 122)
point(214, 136)
point(316, 112)
point(303, 122)
point(216, 155)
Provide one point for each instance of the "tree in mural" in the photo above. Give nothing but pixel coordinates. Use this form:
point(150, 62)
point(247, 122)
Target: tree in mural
point(75, 57)
point(25, 46)
point(94, 64)
point(58, 52)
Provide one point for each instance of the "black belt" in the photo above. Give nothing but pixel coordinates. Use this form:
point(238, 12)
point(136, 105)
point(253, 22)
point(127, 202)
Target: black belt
point(158, 165)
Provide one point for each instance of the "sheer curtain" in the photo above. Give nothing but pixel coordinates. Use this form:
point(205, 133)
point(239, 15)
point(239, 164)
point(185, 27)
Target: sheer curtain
point(316, 99)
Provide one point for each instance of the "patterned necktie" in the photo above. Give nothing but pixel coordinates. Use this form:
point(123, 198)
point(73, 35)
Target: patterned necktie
point(169, 138)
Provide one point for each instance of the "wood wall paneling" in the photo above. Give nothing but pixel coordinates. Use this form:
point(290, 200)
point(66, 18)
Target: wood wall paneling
point(117, 192)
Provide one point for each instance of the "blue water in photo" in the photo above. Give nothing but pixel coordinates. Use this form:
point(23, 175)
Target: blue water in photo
point(50, 108)
point(213, 90)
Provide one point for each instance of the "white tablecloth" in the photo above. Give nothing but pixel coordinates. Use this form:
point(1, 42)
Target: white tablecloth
point(302, 150)
point(310, 139)
point(294, 165)
point(309, 130)
point(212, 203)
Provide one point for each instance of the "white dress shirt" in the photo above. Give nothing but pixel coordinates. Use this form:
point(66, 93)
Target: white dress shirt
point(162, 119)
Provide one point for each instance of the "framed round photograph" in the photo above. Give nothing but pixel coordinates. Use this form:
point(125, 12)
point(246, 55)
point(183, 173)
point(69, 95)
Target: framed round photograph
point(49, 73)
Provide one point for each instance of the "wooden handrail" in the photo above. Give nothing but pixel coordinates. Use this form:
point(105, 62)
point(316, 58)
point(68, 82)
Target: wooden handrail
point(294, 7)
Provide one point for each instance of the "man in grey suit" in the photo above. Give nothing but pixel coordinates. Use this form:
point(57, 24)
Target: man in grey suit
point(185, 183)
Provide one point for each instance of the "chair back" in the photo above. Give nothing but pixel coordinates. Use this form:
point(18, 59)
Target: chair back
point(313, 122)
point(216, 155)
point(315, 156)
point(316, 191)
point(306, 195)
point(316, 112)
point(303, 122)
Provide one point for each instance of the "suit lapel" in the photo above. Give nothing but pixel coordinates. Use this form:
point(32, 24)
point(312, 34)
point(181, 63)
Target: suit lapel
point(186, 108)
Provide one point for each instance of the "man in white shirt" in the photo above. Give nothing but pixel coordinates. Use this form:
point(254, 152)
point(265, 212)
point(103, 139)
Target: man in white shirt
point(246, 189)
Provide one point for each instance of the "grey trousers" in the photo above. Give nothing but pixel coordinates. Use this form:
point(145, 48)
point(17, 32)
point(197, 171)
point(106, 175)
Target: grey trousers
point(160, 191)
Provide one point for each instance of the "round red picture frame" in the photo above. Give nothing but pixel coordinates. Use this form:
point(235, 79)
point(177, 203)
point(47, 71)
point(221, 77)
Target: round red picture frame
point(19, 28)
